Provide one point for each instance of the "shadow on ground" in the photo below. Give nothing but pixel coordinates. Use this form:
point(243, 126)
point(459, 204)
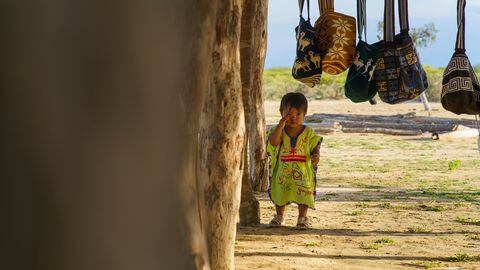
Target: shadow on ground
point(382, 194)
point(263, 229)
point(346, 257)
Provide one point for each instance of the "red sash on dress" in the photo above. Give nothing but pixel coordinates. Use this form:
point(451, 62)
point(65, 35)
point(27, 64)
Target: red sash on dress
point(293, 157)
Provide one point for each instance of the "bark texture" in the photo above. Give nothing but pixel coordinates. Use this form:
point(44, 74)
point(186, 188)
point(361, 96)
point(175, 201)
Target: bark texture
point(253, 52)
point(222, 138)
point(249, 206)
point(258, 159)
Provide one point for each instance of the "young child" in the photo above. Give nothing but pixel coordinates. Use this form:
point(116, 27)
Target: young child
point(294, 151)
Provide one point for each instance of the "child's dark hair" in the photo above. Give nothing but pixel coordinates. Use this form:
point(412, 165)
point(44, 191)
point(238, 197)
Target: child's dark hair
point(294, 100)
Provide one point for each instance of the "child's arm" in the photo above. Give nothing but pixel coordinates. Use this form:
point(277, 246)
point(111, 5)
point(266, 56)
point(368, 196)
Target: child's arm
point(316, 154)
point(276, 137)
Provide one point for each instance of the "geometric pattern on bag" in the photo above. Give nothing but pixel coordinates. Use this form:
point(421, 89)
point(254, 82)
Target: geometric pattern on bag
point(361, 71)
point(307, 67)
point(460, 76)
point(398, 75)
point(460, 86)
point(409, 57)
point(385, 75)
point(336, 33)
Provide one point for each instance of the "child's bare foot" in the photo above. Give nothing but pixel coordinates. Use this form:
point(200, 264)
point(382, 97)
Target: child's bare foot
point(277, 221)
point(303, 223)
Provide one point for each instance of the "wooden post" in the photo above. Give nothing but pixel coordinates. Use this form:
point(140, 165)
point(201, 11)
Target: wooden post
point(425, 102)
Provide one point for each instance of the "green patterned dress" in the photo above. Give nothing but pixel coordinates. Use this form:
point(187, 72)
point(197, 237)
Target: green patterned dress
point(292, 175)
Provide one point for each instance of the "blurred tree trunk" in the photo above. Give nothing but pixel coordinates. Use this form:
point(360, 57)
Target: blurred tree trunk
point(222, 138)
point(99, 117)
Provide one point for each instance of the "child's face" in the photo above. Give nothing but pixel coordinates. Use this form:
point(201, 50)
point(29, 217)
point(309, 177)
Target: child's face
point(295, 117)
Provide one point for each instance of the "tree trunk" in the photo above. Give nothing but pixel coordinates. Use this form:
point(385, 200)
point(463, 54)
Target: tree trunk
point(222, 139)
point(249, 207)
point(258, 137)
point(99, 120)
point(253, 52)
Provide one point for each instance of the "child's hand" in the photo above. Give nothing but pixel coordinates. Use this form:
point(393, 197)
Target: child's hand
point(284, 120)
point(315, 159)
point(285, 117)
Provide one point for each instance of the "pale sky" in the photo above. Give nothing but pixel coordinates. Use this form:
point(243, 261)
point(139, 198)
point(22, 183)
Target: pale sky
point(283, 17)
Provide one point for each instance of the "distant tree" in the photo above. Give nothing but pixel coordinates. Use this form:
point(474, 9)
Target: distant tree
point(477, 68)
point(422, 36)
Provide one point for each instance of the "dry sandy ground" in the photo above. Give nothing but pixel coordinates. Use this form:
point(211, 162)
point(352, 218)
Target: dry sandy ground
point(384, 202)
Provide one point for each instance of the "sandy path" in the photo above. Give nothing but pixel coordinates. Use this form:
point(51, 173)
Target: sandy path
point(384, 202)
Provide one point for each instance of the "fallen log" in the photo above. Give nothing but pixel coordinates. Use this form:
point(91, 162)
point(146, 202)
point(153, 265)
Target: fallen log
point(326, 130)
point(382, 131)
point(409, 118)
point(327, 127)
point(400, 124)
point(424, 127)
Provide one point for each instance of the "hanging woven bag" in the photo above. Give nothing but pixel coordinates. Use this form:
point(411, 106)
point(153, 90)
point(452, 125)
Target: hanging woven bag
point(412, 73)
point(460, 87)
point(336, 36)
point(357, 84)
point(398, 75)
point(307, 67)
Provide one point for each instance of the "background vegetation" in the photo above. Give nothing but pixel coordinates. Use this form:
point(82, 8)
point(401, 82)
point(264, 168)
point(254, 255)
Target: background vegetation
point(278, 81)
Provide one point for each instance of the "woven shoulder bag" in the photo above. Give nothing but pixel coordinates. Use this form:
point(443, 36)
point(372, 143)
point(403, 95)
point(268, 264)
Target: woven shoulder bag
point(307, 67)
point(398, 75)
point(336, 38)
point(357, 84)
point(460, 87)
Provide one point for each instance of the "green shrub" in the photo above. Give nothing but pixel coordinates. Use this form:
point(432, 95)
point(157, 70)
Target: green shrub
point(454, 164)
point(461, 257)
point(384, 240)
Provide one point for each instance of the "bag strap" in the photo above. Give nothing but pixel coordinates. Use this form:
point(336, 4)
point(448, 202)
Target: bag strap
point(460, 44)
point(301, 3)
point(362, 18)
point(326, 6)
point(403, 14)
point(389, 21)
